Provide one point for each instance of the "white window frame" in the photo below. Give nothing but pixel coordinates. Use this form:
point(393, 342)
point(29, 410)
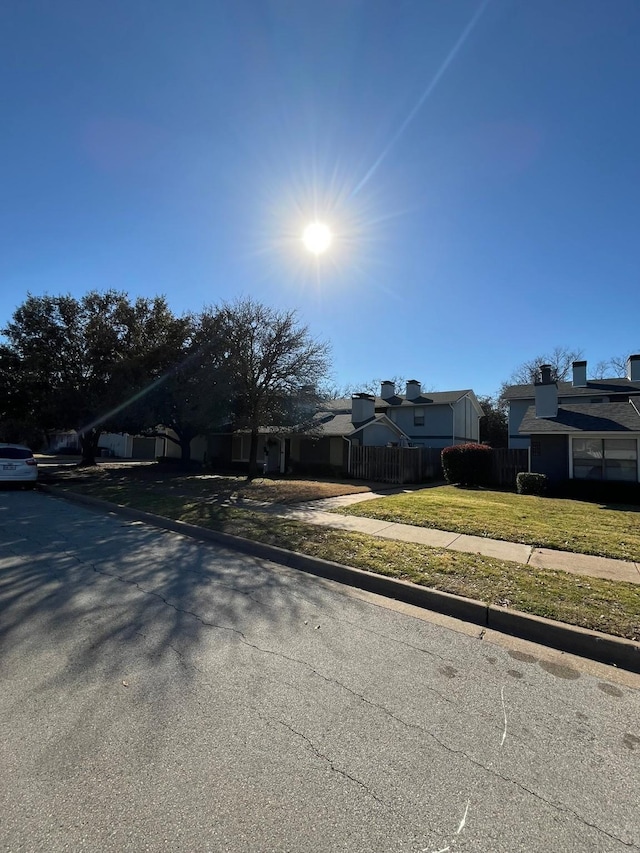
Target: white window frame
point(422, 416)
point(603, 435)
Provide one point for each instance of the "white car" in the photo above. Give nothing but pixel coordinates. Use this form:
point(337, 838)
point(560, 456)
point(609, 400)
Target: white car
point(17, 464)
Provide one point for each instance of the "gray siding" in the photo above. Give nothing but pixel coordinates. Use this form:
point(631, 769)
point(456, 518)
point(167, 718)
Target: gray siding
point(438, 424)
point(377, 435)
point(553, 459)
point(517, 409)
point(466, 421)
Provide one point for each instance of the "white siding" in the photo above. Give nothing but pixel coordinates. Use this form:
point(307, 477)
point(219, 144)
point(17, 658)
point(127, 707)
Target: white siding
point(118, 443)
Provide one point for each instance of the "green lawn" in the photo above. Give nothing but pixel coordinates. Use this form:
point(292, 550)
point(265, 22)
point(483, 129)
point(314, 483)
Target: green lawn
point(608, 606)
point(568, 525)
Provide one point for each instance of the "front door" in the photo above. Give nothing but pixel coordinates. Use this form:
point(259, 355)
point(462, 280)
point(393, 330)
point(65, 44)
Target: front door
point(275, 448)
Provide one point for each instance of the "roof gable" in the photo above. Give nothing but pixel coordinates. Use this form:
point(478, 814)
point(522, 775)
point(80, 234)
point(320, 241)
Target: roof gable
point(384, 421)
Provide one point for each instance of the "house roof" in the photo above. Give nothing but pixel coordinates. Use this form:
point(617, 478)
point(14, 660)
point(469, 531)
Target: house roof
point(341, 424)
point(384, 421)
point(586, 417)
point(435, 398)
point(594, 387)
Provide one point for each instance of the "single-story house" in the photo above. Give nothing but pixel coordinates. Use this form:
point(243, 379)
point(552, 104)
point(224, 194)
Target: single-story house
point(589, 437)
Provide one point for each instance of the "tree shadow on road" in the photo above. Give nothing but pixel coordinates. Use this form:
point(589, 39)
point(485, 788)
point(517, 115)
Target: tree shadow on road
point(90, 599)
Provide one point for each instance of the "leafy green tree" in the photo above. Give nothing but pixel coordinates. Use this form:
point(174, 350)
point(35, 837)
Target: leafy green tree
point(193, 397)
point(494, 425)
point(274, 365)
point(82, 362)
point(17, 423)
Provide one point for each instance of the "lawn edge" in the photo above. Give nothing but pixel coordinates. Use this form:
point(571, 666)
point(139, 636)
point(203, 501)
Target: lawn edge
point(584, 642)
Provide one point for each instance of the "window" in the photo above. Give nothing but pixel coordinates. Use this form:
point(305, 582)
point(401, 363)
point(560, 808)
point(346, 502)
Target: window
point(240, 446)
point(418, 417)
point(605, 459)
point(15, 453)
point(535, 448)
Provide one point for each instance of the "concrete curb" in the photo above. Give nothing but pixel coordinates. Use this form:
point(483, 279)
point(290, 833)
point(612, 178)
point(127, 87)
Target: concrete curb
point(586, 643)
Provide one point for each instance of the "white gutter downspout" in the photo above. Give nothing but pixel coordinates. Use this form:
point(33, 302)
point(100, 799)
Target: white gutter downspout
point(453, 420)
point(344, 438)
point(637, 446)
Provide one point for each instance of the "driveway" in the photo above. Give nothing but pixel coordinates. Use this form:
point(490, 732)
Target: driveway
point(161, 694)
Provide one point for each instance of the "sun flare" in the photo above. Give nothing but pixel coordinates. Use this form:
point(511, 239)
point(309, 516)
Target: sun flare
point(317, 237)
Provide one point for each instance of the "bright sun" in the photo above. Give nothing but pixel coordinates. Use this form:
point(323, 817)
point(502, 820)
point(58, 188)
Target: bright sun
point(317, 237)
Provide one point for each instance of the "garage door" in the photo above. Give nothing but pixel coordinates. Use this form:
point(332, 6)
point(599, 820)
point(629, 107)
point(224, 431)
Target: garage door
point(144, 448)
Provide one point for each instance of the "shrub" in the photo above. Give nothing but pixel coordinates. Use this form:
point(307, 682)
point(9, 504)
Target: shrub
point(531, 484)
point(467, 464)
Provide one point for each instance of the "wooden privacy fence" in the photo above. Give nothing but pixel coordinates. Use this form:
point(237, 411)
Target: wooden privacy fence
point(419, 464)
point(507, 464)
point(396, 464)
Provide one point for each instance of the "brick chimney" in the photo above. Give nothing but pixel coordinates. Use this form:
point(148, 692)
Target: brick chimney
point(579, 374)
point(387, 389)
point(363, 408)
point(413, 389)
point(546, 394)
point(633, 368)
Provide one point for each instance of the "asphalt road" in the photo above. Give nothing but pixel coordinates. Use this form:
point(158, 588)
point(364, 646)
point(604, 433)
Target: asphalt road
point(161, 694)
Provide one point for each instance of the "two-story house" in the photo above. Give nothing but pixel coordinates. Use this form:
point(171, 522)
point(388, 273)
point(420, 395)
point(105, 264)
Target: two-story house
point(583, 429)
point(414, 419)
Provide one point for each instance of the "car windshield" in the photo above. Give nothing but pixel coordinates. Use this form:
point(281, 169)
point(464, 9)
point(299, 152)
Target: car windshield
point(15, 453)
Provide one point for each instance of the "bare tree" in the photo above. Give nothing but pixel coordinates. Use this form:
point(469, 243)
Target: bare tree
point(369, 386)
point(612, 368)
point(275, 367)
point(560, 359)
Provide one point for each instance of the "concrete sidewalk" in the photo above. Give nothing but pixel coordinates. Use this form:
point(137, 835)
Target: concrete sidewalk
point(316, 512)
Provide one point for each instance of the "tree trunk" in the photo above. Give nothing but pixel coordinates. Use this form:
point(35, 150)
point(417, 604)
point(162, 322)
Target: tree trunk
point(183, 441)
point(252, 473)
point(89, 445)
point(185, 451)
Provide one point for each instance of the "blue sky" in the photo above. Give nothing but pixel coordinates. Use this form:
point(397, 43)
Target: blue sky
point(477, 163)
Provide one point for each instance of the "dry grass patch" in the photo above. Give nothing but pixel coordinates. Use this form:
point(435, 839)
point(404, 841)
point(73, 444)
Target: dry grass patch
point(606, 530)
point(118, 478)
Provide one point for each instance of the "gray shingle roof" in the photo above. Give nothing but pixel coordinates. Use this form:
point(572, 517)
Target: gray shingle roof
point(593, 388)
point(441, 398)
point(341, 424)
point(435, 398)
point(334, 425)
point(585, 417)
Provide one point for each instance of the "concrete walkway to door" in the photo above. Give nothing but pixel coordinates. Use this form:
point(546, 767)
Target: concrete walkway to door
point(322, 512)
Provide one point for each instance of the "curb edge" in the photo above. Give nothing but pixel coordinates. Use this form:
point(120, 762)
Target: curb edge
point(594, 645)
